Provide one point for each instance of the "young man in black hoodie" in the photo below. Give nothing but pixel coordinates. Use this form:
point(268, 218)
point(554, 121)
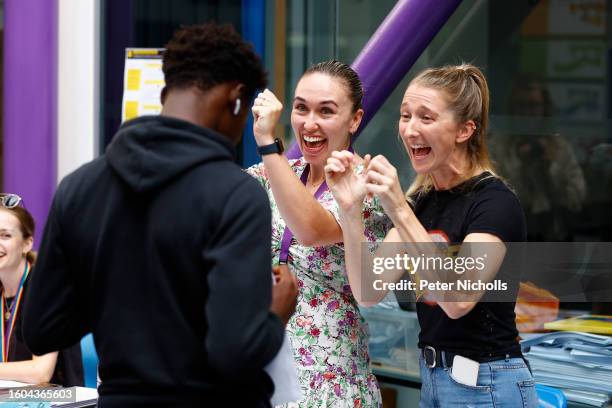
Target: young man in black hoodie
point(161, 247)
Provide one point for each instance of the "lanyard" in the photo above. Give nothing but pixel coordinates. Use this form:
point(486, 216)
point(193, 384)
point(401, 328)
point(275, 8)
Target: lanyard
point(288, 235)
point(6, 334)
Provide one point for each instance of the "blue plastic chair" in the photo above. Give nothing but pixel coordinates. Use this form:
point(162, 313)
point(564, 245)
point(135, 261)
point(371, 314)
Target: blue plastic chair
point(549, 397)
point(90, 361)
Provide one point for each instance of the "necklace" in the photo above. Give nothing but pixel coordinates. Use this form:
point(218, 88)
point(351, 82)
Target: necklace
point(8, 308)
point(313, 185)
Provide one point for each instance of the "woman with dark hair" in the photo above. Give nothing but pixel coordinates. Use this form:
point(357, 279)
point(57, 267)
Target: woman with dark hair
point(328, 334)
point(16, 261)
point(470, 352)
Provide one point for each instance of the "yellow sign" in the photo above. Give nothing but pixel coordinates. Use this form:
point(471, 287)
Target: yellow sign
point(143, 82)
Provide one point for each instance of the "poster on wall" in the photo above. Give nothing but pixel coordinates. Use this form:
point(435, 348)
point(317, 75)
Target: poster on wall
point(143, 81)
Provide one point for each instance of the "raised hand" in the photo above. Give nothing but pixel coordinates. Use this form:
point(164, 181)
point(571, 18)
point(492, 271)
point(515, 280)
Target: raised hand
point(382, 180)
point(266, 113)
point(344, 173)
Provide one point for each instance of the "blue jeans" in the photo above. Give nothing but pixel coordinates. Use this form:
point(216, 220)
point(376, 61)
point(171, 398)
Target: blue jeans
point(501, 383)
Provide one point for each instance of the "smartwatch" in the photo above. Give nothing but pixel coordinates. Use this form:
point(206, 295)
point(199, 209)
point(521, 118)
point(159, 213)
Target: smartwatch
point(274, 148)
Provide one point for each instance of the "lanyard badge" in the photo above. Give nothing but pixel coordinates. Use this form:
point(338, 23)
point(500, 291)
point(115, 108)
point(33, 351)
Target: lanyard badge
point(8, 324)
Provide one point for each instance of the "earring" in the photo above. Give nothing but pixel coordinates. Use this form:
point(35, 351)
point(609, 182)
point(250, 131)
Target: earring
point(237, 107)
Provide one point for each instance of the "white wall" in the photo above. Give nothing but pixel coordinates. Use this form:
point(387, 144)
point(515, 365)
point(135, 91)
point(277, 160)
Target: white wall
point(78, 83)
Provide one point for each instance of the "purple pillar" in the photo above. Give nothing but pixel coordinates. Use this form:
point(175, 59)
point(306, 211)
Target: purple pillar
point(393, 49)
point(30, 85)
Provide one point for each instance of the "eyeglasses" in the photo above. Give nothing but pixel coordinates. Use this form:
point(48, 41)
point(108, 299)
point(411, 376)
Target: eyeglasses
point(10, 200)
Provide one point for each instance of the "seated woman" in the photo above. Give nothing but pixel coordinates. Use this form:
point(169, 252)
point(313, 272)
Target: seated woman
point(16, 261)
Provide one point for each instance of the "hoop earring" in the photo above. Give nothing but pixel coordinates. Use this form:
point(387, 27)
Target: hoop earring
point(237, 107)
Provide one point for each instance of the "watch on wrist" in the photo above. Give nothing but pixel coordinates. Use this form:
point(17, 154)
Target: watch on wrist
point(274, 148)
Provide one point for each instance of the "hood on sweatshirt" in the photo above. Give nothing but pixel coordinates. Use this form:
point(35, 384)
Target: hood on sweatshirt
point(149, 151)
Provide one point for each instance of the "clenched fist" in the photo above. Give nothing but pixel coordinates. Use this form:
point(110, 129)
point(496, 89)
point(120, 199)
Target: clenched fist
point(266, 113)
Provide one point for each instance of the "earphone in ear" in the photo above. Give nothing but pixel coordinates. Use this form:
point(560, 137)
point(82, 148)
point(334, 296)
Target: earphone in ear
point(237, 107)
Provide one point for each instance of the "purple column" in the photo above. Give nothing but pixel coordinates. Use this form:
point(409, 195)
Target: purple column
point(393, 49)
point(30, 82)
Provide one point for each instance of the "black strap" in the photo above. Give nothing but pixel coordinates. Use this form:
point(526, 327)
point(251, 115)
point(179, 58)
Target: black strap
point(429, 355)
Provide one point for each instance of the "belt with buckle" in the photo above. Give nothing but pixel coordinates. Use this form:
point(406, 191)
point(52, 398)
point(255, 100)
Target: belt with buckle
point(433, 357)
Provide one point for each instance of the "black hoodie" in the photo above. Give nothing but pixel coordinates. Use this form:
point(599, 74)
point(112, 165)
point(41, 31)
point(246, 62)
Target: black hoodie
point(161, 248)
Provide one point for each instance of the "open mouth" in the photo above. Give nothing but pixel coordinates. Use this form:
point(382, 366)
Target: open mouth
point(314, 144)
point(420, 151)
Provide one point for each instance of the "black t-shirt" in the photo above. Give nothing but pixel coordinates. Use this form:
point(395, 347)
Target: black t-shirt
point(69, 366)
point(483, 204)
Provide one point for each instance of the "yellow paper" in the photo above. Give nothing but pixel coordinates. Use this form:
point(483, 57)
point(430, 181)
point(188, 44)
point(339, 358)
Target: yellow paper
point(131, 110)
point(133, 79)
point(588, 323)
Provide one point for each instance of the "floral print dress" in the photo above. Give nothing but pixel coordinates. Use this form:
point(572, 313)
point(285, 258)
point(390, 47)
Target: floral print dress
point(328, 335)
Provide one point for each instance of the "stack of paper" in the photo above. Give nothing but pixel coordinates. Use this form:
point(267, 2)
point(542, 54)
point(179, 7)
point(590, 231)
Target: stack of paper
point(579, 363)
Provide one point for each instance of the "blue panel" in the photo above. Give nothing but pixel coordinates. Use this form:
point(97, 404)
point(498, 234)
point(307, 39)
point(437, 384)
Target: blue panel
point(549, 397)
point(253, 30)
point(90, 361)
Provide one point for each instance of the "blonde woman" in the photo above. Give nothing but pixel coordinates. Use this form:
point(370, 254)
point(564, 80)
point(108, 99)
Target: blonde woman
point(456, 197)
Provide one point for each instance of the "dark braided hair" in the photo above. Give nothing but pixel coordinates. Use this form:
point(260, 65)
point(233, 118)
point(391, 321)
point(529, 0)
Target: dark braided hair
point(210, 54)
